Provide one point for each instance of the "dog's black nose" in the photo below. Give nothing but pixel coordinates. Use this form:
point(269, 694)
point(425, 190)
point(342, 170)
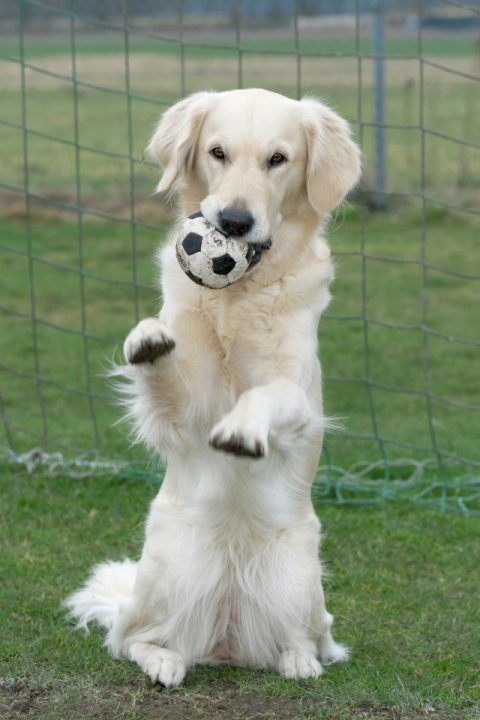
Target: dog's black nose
point(235, 222)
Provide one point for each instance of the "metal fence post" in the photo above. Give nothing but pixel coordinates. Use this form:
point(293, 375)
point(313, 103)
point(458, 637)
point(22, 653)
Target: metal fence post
point(379, 198)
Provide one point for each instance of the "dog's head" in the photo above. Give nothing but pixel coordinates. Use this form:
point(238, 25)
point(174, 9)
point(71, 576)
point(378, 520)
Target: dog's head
point(252, 158)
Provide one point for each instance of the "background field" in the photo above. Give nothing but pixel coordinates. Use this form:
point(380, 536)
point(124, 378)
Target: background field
point(393, 296)
point(449, 103)
point(400, 349)
point(88, 230)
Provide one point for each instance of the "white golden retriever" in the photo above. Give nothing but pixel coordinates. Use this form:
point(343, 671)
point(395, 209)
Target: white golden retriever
point(226, 385)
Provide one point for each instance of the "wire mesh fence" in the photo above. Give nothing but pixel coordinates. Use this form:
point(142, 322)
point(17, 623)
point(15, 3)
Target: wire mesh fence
point(81, 87)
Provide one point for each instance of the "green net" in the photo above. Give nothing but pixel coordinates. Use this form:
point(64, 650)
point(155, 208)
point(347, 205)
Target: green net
point(81, 86)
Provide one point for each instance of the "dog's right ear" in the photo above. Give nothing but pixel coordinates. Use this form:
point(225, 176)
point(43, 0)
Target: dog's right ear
point(175, 139)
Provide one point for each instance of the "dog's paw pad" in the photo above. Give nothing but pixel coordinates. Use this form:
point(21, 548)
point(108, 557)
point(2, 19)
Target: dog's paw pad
point(298, 664)
point(147, 342)
point(150, 350)
point(237, 445)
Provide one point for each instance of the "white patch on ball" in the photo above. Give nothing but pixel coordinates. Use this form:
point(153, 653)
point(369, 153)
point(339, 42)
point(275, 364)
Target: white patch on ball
point(209, 258)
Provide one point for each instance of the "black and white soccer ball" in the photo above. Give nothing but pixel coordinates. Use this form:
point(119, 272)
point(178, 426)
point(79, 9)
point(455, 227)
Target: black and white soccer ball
point(208, 257)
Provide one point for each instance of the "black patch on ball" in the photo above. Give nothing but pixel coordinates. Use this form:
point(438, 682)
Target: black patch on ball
point(192, 243)
point(194, 277)
point(223, 265)
point(195, 215)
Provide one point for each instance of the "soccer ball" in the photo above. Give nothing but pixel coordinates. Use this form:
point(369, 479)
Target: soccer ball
point(209, 258)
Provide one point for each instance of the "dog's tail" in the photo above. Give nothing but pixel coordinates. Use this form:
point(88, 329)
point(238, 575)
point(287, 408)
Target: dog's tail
point(110, 584)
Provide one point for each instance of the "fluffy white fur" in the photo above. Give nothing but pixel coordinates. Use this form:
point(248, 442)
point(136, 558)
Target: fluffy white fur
point(230, 570)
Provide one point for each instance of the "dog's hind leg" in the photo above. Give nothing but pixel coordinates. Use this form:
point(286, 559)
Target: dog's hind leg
point(301, 661)
point(329, 650)
point(322, 621)
point(298, 664)
point(161, 664)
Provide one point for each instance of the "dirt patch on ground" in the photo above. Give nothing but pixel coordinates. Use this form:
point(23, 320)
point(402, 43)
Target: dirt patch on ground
point(19, 700)
point(220, 701)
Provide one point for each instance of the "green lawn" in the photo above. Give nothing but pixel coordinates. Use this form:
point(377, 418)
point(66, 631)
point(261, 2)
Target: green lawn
point(403, 587)
point(34, 47)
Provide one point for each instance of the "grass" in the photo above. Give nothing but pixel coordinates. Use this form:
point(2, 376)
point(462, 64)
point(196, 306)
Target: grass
point(393, 295)
point(440, 45)
point(403, 587)
point(108, 309)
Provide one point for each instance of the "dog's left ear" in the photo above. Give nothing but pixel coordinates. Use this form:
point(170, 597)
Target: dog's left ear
point(175, 139)
point(333, 166)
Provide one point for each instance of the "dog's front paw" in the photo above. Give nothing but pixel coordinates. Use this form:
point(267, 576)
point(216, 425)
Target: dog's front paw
point(148, 341)
point(297, 664)
point(235, 435)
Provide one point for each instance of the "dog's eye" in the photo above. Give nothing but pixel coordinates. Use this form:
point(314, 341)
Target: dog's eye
point(218, 153)
point(277, 159)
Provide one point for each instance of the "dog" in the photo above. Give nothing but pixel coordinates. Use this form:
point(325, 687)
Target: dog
point(226, 386)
